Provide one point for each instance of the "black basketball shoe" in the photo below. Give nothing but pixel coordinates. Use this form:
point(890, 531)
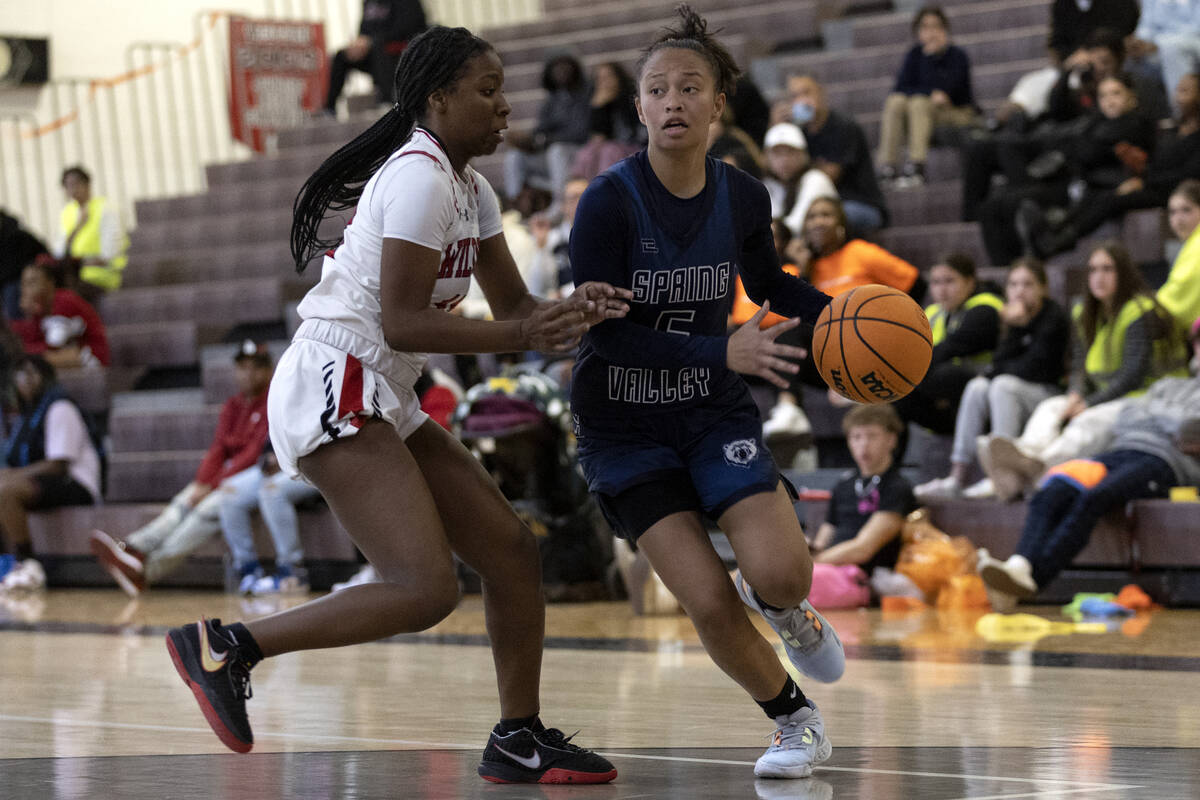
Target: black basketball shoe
point(217, 670)
point(543, 757)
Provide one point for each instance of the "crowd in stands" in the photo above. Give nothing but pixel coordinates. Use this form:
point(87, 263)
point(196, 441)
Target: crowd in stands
point(1022, 380)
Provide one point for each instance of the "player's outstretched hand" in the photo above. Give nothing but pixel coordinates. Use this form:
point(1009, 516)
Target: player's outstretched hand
point(608, 301)
point(751, 351)
point(557, 325)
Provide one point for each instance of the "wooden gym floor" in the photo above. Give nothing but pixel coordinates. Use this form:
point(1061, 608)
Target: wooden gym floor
point(91, 708)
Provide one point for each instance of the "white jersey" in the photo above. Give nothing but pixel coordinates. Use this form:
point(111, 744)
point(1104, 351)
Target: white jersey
point(416, 196)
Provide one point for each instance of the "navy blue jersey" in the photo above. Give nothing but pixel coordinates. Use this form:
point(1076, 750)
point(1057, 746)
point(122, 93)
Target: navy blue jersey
point(680, 258)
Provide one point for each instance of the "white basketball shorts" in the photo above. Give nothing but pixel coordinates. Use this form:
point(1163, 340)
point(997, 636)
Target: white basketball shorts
point(320, 394)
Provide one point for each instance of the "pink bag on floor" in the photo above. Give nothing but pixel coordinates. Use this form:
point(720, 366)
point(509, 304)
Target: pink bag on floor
point(839, 586)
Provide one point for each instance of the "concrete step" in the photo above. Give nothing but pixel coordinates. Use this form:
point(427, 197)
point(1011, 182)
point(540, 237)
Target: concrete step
point(965, 19)
point(238, 300)
point(150, 476)
point(154, 344)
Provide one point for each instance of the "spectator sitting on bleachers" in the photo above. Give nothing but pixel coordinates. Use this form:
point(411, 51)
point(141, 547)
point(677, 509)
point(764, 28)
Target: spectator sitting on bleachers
point(59, 324)
point(548, 274)
point(275, 495)
point(1026, 368)
point(1102, 55)
point(1175, 159)
point(615, 130)
point(838, 147)
point(1180, 295)
point(835, 263)
point(791, 180)
point(541, 159)
point(966, 327)
point(89, 241)
point(383, 34)
point(933, 89)
point(51, 461)
point(1124, 341)
point(1113, 145)
point(1156, 445)
point(1012, 149)
point(868, 506)
point(192, 517)
point(1167, 41)
point(18, 247)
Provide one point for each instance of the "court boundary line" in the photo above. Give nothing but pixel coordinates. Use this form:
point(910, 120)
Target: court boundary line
point(1070, 787)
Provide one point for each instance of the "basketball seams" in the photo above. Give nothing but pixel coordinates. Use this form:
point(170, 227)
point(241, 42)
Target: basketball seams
point(839, 312)
point(851, 383)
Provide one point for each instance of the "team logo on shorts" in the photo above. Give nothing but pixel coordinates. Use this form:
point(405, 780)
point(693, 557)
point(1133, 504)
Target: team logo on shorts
point(741, 452)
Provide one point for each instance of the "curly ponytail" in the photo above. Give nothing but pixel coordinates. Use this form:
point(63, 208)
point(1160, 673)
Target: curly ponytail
point(693, 35)
point(433, 60)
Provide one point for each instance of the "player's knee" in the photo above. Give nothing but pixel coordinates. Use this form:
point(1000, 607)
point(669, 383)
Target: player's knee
point(437, 601)
point(783, 583)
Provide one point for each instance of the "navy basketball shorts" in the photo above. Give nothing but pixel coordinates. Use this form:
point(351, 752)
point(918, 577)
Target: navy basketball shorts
point(704, 458)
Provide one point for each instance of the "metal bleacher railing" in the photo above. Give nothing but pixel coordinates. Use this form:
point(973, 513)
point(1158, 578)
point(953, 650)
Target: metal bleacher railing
point(149, 132)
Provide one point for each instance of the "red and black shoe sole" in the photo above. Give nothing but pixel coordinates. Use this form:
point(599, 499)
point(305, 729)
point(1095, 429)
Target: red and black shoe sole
point(503, 773)
point(223, 732)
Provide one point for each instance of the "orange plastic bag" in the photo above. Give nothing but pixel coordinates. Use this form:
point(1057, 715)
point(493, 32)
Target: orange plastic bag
point(963, 592)
point(930, 558)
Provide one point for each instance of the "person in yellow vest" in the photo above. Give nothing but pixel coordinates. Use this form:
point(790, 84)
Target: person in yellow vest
point(965, 319)
point(1180, 295)
point(1124, 341)
point(90, 235)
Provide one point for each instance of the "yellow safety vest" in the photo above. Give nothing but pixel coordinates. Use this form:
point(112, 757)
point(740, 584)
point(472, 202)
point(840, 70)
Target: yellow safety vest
point(1108, 348)
point(939, 322)
point(86, 244)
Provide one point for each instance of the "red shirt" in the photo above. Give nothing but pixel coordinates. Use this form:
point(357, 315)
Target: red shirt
point(66, 304)
point(239, 440)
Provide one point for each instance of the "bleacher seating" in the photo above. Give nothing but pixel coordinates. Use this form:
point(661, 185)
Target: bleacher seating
point(201, 265)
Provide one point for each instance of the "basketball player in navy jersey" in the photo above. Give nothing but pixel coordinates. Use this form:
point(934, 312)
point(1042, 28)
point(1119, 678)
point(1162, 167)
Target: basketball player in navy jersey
point(668, 433)
point(345, 417)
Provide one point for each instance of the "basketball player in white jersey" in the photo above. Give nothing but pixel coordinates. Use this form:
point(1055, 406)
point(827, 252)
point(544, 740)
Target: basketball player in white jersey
point(343, 414)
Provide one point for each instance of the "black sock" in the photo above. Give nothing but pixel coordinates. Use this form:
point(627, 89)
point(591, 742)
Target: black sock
point(789, 700)
point(23, 551)
point(245, 641)
point(764, 603)
point(508, 726)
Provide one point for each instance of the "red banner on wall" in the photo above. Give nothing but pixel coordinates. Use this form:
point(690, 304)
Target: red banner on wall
point(278, 74)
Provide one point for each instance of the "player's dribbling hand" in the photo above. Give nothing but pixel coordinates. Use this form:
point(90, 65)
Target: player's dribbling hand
point(751, 351)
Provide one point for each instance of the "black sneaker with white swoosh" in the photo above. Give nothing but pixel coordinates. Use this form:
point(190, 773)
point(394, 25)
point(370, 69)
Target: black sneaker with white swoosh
point(217, 670)
point(542, 757)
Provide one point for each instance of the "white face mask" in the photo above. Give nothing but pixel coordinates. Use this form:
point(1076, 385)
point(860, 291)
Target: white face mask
point(802, 113)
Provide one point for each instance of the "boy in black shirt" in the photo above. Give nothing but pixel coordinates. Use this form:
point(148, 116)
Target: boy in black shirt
point(869, 505)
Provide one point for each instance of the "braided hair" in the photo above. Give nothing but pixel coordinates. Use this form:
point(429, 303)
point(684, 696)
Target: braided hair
point(433, 60)
point(693, 35)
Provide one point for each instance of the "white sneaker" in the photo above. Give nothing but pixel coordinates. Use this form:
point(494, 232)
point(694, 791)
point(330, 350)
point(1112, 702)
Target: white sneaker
point(1013, 577)
point(980, 490)
point(811, 643)
point(26, 576)
point(273, 584)
point(786, 419)
point(798, 745)
point(248, 581)
point(938, 488)
point(365, 575)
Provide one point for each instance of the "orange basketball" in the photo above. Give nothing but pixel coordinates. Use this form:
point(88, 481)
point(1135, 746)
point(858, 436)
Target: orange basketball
point(872, 344)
